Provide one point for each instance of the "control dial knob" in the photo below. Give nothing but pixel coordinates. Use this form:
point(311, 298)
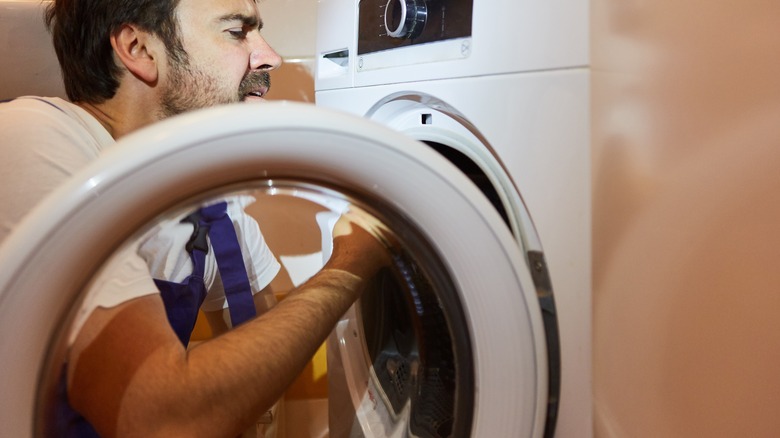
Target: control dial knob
point(405, 18)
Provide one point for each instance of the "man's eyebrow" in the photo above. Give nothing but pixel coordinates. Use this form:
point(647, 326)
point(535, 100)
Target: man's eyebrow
point(247, 20)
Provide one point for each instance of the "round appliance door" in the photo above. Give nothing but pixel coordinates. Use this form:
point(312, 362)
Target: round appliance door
point(443, 128)
point(457, 262)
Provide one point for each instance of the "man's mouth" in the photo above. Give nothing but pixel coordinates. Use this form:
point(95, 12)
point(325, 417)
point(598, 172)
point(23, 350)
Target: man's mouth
point(258, 93)
point(255, 85)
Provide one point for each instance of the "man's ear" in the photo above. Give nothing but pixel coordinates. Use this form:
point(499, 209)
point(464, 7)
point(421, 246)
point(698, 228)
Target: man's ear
point(135, 49)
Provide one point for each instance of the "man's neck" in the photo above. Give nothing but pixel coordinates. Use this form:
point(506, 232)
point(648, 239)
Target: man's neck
point(98, 111)
point(121, 116)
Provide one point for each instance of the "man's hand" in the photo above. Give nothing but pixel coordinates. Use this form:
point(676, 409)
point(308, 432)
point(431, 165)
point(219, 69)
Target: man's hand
point(361, 244)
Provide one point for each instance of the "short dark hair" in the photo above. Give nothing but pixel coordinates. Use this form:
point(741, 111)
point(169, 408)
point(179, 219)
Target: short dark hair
point(81, 31)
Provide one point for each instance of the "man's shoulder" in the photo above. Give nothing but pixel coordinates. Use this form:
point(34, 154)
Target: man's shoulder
point(37, 103)
point(33, 110)
point(35, 117)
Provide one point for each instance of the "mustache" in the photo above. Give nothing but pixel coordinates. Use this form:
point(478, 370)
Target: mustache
point(253, 81)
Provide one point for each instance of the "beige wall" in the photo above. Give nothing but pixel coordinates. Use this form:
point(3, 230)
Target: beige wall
point(686, 165)
point(290, 28)
point(28, 65)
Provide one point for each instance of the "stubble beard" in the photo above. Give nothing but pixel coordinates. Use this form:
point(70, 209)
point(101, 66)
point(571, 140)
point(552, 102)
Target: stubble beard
point(190, 88)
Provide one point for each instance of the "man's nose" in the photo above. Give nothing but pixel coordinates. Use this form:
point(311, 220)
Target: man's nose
point(262, 56)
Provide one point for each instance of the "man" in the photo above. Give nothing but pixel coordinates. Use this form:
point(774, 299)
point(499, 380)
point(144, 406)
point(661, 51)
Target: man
point(127, 64)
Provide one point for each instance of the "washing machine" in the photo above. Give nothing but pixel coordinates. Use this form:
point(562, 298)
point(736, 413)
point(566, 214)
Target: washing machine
point(501, 89)
point(480, 327)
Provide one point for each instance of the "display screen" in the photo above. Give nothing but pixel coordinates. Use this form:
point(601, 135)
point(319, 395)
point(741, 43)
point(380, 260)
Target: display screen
point(389, 24)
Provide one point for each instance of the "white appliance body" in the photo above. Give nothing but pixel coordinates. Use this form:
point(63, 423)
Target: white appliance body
point(512, 94)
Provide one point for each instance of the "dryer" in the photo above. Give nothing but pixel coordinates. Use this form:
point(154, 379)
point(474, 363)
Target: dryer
point(500, 88)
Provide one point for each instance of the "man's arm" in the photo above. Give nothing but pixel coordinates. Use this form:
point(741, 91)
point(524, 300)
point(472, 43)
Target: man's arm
point(131, 375)
point(218, 319)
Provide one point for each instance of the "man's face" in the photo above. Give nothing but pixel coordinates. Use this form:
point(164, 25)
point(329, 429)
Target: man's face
point(226, 59)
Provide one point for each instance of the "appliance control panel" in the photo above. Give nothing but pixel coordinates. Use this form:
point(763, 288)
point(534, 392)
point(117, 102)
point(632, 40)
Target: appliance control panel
point(389, 24)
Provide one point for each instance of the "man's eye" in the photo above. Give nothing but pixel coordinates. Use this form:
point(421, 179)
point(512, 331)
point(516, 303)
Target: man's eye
point(237, 33)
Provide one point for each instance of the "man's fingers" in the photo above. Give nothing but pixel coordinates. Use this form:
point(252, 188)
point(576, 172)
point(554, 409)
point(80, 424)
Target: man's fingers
point(367, 222)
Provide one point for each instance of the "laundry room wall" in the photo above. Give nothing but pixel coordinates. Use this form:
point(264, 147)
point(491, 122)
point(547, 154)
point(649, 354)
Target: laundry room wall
point(686, 227)
point(290, 26)
point(29, 64)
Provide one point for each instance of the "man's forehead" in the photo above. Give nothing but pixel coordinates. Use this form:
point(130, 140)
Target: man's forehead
point(215, 11)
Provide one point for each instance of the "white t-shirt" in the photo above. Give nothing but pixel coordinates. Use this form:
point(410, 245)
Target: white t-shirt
point(64, 138)
point(161, 251)
point(169, 238)
point(43, 143)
